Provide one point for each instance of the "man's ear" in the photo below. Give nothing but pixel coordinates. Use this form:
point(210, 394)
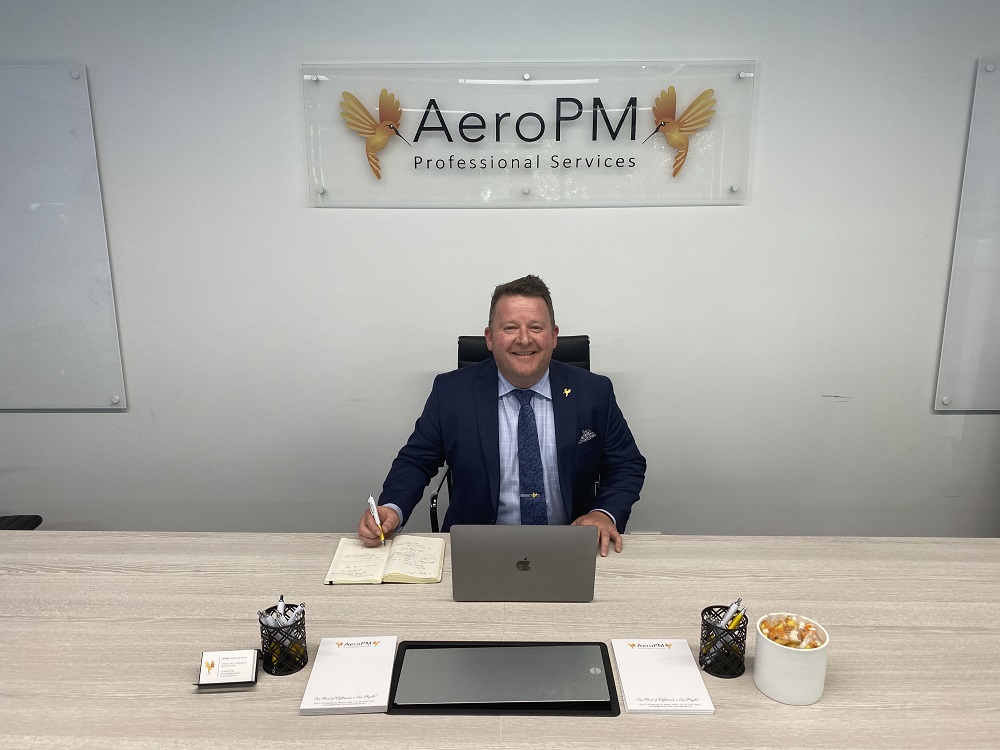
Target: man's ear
point(489, 338)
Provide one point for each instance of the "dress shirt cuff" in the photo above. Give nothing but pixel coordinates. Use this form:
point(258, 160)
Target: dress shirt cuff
point(399, 513)
point(613, 519)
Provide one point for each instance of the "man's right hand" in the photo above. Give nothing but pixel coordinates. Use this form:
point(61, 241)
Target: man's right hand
point(368, 529)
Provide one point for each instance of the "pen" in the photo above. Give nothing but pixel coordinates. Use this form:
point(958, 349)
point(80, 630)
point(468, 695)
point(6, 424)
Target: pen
point(723, 622)
point(736, 620)
point(374, 511)
point(730, 612)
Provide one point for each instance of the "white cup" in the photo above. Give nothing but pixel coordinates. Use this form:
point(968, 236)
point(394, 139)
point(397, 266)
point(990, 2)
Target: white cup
point(794, 676)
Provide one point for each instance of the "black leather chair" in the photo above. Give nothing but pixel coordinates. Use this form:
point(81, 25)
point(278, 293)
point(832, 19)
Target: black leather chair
point(572, 350)
point(8, 523)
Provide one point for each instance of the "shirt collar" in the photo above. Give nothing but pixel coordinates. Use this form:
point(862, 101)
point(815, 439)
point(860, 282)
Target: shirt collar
point(542, 387)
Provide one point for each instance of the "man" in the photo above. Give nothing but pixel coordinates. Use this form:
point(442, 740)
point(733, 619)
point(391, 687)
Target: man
point(473, 419)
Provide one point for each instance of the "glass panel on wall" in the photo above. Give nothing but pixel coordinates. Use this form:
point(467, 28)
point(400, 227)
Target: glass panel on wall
point(969, 367)
point(529, 135)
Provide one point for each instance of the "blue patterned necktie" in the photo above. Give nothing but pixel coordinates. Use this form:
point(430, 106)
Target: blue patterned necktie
point(529, 463)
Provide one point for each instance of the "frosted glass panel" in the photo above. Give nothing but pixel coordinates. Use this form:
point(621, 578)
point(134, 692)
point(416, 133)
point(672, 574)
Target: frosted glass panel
point(58, 331)
point(529, 135)
point(969, 373)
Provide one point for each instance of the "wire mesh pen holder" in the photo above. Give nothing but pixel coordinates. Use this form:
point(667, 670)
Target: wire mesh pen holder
point(721, 651)
point(283, 647)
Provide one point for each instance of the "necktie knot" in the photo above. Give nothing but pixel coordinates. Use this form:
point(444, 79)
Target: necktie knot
point(523, 396)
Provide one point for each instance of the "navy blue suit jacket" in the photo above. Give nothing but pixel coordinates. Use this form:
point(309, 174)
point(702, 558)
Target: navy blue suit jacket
point(460, 426)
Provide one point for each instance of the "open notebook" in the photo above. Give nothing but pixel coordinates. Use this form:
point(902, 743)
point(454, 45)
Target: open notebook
point(403, 559)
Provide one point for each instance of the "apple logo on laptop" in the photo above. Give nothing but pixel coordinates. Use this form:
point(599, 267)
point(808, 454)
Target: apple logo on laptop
point(523, 565)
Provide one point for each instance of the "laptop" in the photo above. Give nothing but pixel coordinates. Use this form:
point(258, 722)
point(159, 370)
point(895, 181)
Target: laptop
point(523, 563)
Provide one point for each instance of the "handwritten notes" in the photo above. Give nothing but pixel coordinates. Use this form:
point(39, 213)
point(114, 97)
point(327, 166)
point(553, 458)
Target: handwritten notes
point(404, 559)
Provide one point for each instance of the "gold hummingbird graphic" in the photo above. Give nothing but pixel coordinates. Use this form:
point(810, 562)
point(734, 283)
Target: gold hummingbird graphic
point(375, 132)
point(209, 665)
point(676, 131)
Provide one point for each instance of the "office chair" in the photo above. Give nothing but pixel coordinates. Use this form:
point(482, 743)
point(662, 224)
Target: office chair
point(571, 350)
point(8, 523)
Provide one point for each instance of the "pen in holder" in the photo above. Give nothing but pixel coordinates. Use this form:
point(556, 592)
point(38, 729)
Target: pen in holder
point(283, 638)
point(722, 650)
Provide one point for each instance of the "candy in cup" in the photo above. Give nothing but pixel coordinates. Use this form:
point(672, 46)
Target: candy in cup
point(790, 658)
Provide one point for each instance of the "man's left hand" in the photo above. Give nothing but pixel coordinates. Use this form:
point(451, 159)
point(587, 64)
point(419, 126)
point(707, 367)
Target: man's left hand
point(606, 531)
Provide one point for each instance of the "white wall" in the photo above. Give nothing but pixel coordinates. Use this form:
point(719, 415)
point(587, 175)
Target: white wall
point(776, 361)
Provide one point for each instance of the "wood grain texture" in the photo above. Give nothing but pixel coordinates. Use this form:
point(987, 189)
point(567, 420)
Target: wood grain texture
point(102, 634)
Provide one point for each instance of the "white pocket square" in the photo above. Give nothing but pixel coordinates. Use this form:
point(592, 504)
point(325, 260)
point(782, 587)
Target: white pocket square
point(585, 436)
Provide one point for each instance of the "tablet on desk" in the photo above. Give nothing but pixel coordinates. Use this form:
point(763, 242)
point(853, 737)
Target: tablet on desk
point(484, 677)
point(523, 563)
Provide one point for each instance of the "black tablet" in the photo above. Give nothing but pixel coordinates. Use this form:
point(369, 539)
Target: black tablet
point(503, 677)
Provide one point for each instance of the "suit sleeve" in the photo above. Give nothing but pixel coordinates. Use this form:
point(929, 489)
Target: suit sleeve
point(623, 467)
point(418, 461)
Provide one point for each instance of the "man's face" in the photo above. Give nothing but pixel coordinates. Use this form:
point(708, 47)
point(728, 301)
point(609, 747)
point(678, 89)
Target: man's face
point(521, 337)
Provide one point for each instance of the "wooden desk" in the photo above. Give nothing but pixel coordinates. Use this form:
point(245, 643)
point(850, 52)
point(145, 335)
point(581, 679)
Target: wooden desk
point(102, 632)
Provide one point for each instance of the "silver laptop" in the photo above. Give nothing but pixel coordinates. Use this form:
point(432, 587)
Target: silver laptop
point(523, 563)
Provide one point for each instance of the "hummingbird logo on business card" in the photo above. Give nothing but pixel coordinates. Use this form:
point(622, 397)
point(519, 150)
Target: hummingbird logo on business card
point(210, 665)
point(678, 130)
point(377, 133)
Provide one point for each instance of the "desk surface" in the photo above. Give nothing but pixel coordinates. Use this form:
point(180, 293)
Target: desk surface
point(102, 634)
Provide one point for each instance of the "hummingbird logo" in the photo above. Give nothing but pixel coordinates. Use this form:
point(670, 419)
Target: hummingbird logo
point(677, 130)
point(376, 133)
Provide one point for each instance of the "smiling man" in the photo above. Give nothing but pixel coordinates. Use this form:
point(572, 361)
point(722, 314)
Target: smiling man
point(527, 438)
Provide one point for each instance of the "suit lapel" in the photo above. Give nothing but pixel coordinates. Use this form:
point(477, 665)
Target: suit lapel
point(564, 412)
point(485, 399)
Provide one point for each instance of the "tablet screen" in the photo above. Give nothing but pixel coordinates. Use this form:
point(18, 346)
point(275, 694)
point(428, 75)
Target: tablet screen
point(510, 677)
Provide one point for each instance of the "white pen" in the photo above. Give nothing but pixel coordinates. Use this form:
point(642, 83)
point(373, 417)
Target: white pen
point(730, 612)
point(290, 615)
point(374, 511)
point(267, 618)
